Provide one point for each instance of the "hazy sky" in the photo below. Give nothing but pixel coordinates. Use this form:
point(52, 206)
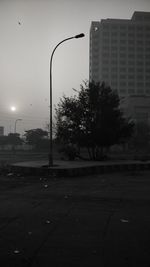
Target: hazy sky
point(29, 30)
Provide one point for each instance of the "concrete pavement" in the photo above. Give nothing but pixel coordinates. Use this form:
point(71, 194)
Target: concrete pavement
point(78, 167)
point(98, 220)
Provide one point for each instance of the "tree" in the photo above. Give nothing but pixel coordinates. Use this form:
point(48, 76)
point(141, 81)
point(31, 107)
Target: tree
point(92, 119)
point(36, 137)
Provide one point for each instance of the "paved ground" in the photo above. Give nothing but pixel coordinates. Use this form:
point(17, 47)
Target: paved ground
point(101, 220)
point(78, 167)
point(62, 164)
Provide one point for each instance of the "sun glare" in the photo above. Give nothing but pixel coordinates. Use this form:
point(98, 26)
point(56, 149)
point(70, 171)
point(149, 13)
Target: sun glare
point(13, 108)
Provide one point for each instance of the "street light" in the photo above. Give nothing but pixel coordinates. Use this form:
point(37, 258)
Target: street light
point(16, 124)
point(51, 133)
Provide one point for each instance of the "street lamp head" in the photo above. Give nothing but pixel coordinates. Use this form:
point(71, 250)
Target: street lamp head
point(79, 35)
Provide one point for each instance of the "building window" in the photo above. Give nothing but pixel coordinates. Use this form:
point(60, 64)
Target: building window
point(147, 63)
point(123, 27)
point(147, 70)
point(105, 48)
point(139, 42)
point(140, 85)
point(106, 40)
point(123, 35)
point(139, 70)
point(147, 91)
point(114, 62)
point(114, 55)
point(123, 84)
point(141, 56)
point(122, 41)
point(122, 48)
point(114, 27)
point(105, 78)
point(114, 33)
point(114, 70)
point(139, 35)
point(131, 56)
point(130, 63)
point(114, 41)
point(131, 42)
point(139, 28)
point(130, 70)
point(106, 34)
point(131, 48)
point(105, 26)
point(113, 48)
point(131, 36)
point(122, 77)
point(140, 77)
point(131, 91)
point(131, 85)
point(105, 62)
point(131, 77)
point(131, 28)
point(147, 36)
point(147, 57)
point(114, 76)
point(105, 55)
point(147, 78)
point(122, 55)
point(140, 91)
point(122, 90)
point(123, 69)
point(122, 62)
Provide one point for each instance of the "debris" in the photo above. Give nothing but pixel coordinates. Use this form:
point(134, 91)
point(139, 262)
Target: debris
point(29, 233)
point(16, 251)
point(10, 174)
point(48, 222)
point(66, 197)
point(46, 185)
point(124, 220)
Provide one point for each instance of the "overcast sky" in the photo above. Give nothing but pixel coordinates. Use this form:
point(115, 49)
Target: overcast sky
point(29, 30)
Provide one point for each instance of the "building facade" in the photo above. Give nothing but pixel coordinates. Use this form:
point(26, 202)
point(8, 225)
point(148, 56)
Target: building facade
point(120, 56)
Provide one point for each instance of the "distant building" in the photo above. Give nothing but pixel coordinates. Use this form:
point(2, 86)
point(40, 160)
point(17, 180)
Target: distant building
point(120, 56)
point(1, 130)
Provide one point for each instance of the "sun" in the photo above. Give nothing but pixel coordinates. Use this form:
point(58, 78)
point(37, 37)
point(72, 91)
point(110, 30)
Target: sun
point(13, 108)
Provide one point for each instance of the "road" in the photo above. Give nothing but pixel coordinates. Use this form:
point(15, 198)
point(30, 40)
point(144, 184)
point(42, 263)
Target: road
point(100, 220)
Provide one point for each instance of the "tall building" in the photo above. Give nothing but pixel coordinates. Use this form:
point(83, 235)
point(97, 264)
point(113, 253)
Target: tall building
point(120, 56)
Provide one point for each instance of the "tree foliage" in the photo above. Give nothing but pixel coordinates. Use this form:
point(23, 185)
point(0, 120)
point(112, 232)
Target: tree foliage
point(92, 119)
point(36, 137)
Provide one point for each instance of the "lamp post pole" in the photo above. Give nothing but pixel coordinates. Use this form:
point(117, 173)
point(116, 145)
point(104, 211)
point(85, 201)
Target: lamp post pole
point(50, 100)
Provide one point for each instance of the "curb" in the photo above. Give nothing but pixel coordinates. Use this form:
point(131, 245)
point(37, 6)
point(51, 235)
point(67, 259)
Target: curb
point(81, 171)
